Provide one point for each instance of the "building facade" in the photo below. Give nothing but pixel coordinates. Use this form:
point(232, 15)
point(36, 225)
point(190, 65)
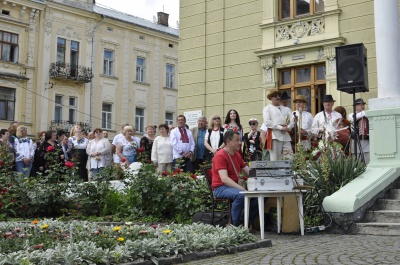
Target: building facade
point(74, 62)
point(232, 53)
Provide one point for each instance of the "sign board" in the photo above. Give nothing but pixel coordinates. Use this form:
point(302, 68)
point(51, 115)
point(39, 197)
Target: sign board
point(191, 117)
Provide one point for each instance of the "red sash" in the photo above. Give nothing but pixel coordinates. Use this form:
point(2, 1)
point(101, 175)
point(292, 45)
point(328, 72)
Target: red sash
point(268, 140)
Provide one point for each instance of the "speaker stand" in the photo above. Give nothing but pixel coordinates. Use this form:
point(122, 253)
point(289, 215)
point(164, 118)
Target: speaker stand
point(354, 133)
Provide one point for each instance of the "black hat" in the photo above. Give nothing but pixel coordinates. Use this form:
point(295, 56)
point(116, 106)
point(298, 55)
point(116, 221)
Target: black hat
point(328, 98)
point(359, 101)
point(285, 96)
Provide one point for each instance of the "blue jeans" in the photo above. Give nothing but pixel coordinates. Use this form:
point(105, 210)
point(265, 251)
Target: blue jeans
point(21, 167)
point(131, 158)
point(186, 165)
point(225, 192)
point(96, 171)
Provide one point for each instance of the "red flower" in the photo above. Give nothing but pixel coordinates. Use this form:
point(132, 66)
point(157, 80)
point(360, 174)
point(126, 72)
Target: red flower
point(1, 204)
point(50, 148)
point(178, 170)
point(69, 164)
point(4, 190)
point(227, 126)
point(1, 163)
point(245, 178)
point(38, 246)
point(165, 173)
point(123, 160)
point(193, 176)
point(235, 129)
point(14, 200)
point(140, 150)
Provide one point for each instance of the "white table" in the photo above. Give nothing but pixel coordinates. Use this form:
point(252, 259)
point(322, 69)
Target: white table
point(274, 194)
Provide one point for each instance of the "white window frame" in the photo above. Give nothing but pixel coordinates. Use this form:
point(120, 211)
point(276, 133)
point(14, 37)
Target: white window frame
point(170, 75)
point(169, 120)
point(106, 116)
point(139, 120)
point(140, 70)
point(108, 68)
point(59, 106)
point(72, 109)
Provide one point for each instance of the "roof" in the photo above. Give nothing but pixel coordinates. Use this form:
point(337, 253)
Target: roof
point(135, 20)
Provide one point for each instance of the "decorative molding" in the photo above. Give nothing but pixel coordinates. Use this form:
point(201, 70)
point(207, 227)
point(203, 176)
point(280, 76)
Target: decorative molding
point(141, 52)
point(321, 54)
point(9, 28)
point(33, 15)
point(48, 23)
point(330, 55)
point(108, 42)
point(278, 61)
point(267, 63)
point(300, 29)
point(69, 32)
point(22, 12)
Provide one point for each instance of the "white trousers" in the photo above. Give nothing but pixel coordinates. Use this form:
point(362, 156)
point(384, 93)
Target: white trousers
point(280, 150)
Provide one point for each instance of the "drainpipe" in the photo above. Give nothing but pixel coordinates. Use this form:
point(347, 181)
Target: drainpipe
point(92, 67)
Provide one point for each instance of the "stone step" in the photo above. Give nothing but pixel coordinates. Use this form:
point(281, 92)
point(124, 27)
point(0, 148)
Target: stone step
point(383, 216)
point(394, 194)
point(388, 204)
point(381, 229)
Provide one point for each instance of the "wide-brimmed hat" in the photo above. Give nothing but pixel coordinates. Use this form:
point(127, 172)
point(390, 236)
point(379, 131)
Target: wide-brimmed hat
point(273, 92)
point(359, 101)
point(285, 96)
point(300, 98)
point(328, 98)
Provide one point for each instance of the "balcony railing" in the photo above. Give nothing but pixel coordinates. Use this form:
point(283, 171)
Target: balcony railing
point(73, 72)
point(67, 126)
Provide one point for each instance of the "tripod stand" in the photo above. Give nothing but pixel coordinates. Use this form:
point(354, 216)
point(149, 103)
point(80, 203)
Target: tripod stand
point(354, 134)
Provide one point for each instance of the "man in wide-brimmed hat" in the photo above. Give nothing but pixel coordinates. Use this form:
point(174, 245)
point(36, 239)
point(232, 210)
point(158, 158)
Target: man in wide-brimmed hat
point(324, 117)
point(279, 121)
point(363, 128)
point(306, 122)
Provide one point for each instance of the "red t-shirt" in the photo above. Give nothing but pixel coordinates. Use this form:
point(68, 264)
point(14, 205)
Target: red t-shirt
point(222, 161)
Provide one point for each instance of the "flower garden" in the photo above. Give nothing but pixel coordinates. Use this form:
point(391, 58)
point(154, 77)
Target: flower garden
point(57, 219)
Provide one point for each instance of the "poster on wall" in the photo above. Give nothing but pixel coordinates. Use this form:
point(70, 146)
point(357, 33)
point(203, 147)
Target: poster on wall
point(191, 117)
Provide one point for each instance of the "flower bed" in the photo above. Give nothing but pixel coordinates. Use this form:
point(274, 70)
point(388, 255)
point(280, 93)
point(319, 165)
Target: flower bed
point(81, 242)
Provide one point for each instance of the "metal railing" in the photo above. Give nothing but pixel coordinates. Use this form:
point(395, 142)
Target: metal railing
point(73, 72)
point(67, 125)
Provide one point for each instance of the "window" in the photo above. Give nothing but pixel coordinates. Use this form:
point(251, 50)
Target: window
point(7, 103)
point(140, 69)
point(58, 108)
point(61, 44)
point(9, 47)
point(308, 81)
point(139, 120)
point(74, 57)
point(5, 12)
point(106, 116)
point(170, 70)
point(72, 110)
point(108, 62)
point(169, 118)
point(294, 8)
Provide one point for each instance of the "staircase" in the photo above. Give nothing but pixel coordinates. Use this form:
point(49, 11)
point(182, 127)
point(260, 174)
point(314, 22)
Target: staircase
point(384, 219)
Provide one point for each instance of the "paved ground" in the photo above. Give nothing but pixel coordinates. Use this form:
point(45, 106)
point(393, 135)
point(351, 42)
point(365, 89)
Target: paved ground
point(320, 248)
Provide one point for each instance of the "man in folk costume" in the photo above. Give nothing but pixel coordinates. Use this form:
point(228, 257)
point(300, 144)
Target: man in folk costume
point(363, 128)
point(306, 122)
point(182, 144)
point(279, 121)
point(328, 115)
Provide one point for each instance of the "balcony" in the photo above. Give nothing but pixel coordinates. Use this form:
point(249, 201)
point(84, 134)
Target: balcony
point(77, 73)
point(67, 126)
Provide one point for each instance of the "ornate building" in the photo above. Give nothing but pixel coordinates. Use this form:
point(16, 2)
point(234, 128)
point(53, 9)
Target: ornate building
point(66, 62)
point(232, 53)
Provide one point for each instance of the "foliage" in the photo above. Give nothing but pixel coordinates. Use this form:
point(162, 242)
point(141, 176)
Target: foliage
point(327, 168)
point(53, 242)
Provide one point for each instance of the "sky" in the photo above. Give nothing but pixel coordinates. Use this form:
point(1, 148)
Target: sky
point(145, 8)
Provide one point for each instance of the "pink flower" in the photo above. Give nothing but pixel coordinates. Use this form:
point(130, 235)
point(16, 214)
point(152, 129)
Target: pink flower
point(154, 226)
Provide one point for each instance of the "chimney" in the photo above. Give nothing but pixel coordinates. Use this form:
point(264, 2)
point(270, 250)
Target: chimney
point(162, 18)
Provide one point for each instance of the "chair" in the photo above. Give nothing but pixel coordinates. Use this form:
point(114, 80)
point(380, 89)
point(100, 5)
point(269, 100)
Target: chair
point(208, 175)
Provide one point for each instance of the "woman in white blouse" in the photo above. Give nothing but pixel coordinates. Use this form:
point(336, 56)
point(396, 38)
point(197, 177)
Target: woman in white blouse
point(77, 151)
point(25, 151)
point(161, 152)
point(213, 140)
point(99, 152)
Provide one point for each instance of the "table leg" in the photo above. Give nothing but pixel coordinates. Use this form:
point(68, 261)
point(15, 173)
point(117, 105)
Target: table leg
point(300, 201)
point(279, 213)
point(261, 213)
point(246, 210)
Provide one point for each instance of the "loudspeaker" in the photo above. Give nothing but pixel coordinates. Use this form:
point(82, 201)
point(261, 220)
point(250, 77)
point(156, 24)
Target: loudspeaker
point(351, 68)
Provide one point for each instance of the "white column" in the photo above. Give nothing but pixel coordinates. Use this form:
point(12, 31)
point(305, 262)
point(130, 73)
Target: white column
point(387, 37)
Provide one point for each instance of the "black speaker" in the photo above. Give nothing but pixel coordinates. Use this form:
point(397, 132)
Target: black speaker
point(351, 68)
